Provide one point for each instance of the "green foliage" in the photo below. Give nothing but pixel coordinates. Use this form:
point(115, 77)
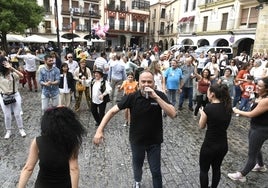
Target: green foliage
point(18, 15)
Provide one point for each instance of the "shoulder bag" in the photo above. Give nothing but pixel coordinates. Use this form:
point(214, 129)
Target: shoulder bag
point(10, 98)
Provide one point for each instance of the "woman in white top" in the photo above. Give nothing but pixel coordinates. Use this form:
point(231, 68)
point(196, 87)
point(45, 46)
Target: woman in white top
point(233, 67)
point(201, 63)
point(66, 85)
point(100, 90)
point(159, 81)
point(8, 88)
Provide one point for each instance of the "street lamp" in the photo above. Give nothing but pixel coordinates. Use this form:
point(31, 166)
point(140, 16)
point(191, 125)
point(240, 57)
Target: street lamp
point(89, 25)
point(72, 13)
point(57, 24)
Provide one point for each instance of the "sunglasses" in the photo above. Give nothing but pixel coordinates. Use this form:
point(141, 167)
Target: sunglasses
point(69, 57)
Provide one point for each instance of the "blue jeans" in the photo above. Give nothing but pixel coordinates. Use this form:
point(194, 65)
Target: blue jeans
point(237, 95)
point(244, 105)
point(45, 102)
point(154, 160)
point(189, 92)
point(171, 94)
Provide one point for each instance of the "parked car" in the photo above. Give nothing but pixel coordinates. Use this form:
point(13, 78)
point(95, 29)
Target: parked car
point(183, 48)
point(215, 49)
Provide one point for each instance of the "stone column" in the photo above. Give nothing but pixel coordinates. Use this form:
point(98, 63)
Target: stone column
point(261, 38)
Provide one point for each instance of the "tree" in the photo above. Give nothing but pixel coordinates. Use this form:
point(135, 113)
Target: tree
point(18, 15)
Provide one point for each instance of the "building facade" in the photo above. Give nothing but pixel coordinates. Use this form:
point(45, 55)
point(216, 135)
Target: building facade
point(208, 22)
point(165, 22)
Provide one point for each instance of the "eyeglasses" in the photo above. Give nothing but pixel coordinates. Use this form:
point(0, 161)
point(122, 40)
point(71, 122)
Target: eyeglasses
point(69, 57)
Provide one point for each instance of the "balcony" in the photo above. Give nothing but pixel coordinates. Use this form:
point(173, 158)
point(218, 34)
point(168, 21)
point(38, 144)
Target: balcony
point(126, 29)
point(212, 3)
point(81, 12)
point(80, 27)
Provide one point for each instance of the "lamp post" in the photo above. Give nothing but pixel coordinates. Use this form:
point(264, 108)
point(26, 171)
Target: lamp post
point(72, 13)
point(89, 26)
point(57, 24)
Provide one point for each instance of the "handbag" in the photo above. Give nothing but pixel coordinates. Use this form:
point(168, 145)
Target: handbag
point(80, 87)
point(9, 99)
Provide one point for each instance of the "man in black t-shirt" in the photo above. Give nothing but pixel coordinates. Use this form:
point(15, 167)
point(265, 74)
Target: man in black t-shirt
point(146, 126)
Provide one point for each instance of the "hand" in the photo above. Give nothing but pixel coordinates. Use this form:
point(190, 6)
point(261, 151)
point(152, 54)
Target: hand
point(98, 138)
point(7, 65)
point(151, 92)
point(235, 110)
point(201, 110)
point(101, 97)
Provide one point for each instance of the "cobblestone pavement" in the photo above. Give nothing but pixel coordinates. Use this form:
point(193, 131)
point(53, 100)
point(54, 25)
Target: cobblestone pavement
point(109, 166)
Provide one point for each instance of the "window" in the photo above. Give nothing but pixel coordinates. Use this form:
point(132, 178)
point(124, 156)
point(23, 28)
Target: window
point(224, 21)
point(205, 23)
point(194, 4)
point(154, 14)
point(253, 16)
point(186, 6)
point(111, 5)
point(46, 6)
point(163, 13)
point(162, 28)
point(142, 26)
point(66, 24)
point(121, 24)
point(244, 16)
point(122, 6)
point(134, 25)
point(140, 5)
point(111, 22)
point(48, 26)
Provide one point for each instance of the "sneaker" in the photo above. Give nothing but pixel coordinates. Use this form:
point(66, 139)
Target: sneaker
point(191, 109)
point(237, 115)
point(180, 108)
point(137, 185)
point(259, 168)
point(22, 132)
point(8, 134)
point(237, 177)
point(125, 124)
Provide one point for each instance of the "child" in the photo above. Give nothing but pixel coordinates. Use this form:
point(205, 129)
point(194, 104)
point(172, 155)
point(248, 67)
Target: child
point(247, 89)
point(129, 86)
point(22, 80)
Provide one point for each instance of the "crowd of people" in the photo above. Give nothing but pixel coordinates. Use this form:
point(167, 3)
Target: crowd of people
point(149, 85)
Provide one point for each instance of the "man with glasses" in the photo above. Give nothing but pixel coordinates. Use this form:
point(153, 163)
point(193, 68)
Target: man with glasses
point(72, 65)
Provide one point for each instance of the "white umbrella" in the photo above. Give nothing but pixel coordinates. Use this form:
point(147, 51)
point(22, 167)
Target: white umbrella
point(36, 38)
point(61, 40)
point(97, 40)
point(78, 39)
point(14, 38)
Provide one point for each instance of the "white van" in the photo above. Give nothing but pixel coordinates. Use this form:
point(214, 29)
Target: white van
point(215, 49)
point(182, 47)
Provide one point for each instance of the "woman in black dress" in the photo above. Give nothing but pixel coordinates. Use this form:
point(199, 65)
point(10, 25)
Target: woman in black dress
point(57, 151)
point(216, 116)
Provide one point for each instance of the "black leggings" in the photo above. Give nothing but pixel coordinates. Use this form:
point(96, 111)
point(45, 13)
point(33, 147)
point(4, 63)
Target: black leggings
point(200, 102)
point(256, 138)
point(211, 155)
